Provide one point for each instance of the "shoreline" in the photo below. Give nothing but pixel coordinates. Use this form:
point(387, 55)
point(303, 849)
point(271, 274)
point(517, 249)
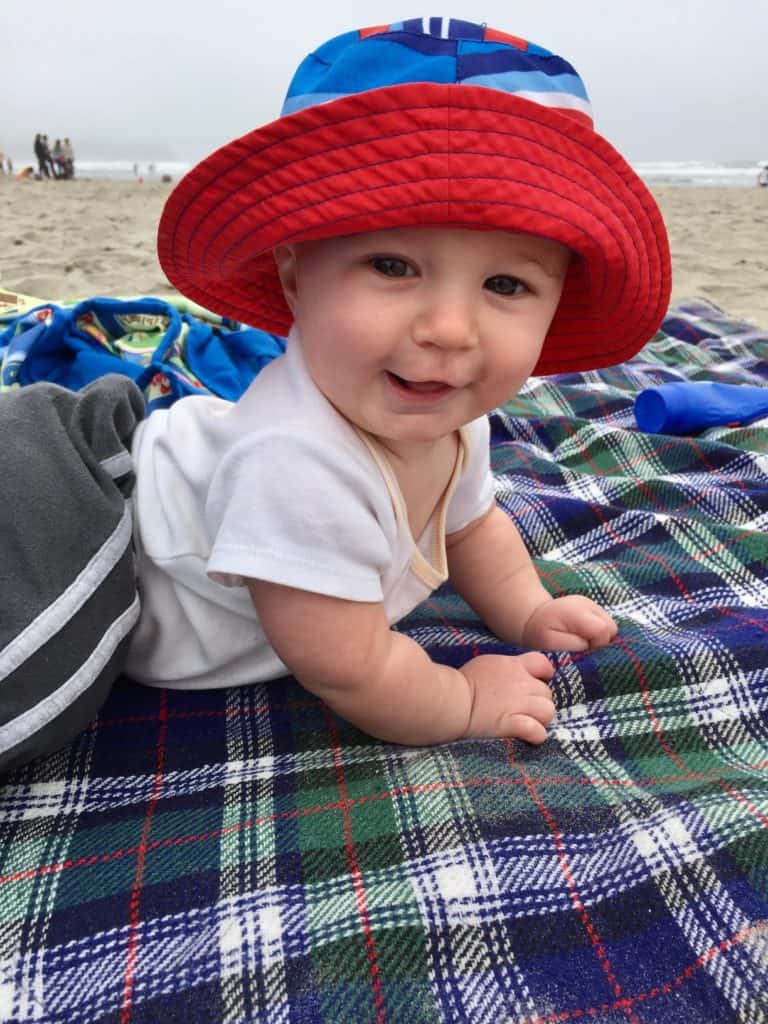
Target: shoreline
point(65, 240)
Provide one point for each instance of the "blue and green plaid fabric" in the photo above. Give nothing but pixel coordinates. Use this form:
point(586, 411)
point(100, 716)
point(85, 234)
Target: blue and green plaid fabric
point(245, 856)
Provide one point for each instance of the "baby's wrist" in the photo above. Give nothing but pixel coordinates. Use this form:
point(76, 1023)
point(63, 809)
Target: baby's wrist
point(531, 624)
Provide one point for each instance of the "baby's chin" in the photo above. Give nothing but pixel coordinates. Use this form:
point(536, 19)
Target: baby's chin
point(415, 434)
point(417, 424)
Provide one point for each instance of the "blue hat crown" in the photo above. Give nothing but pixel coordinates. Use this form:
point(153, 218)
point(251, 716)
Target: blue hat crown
point(436, 50)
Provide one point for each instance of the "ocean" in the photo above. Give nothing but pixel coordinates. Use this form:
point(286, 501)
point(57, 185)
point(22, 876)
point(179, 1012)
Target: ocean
point(657, 172)
point(125, 170)
point(698, 172)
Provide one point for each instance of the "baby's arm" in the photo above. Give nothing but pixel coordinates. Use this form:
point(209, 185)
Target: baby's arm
point(490, 567)
point(383, 682)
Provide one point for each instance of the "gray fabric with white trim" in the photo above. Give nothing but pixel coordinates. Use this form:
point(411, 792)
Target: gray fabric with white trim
point(67, 581)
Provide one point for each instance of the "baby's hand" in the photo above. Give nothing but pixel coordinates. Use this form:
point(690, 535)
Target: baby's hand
point(510, 696)
point(571, 623)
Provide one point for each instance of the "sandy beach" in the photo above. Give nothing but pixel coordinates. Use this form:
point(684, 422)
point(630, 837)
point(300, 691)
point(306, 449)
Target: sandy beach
point(74, 239)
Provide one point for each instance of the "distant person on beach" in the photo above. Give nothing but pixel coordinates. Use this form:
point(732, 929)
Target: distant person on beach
point(68, 158)
point(57, 155)
point(41, 157)
point(48, 157)
point(426, 245)
point(762, 174)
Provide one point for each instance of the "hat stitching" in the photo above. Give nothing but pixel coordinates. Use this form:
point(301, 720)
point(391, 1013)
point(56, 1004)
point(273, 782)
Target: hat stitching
point(405, 206)
point(571, 181)
point(415, 131)
point(524, 115)
point(413, 181)
point(582, 230)
point(589, 283)
point(604, 314)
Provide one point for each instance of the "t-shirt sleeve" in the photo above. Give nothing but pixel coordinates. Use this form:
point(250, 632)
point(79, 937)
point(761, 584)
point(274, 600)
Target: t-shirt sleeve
point(476, 489)
point(301, 512)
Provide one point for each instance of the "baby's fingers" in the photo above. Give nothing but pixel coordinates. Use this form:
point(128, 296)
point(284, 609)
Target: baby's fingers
point(523, 727)
point(583, 629)
point(600, 629)
point(537, 664)
point(529, 721)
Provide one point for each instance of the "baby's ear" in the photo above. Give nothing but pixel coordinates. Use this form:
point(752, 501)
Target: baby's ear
point(285, 259)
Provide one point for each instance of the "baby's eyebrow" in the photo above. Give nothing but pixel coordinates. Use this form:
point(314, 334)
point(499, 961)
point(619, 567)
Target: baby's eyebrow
point(549, 267)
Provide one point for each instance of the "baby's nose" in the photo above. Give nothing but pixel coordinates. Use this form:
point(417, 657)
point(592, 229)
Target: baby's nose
point(447, 323)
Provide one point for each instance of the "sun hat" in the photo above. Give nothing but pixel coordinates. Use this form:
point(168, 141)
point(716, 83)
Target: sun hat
point(428, 122)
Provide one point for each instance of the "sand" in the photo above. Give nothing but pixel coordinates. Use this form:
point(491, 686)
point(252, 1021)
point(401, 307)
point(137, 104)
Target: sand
point(719, 243)
point(74, 239)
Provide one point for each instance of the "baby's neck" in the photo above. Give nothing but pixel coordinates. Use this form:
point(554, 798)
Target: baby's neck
point(423, 471)
point(414, 453)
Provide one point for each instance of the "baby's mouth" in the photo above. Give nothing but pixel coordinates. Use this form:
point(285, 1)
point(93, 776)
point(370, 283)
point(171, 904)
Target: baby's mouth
point(421, 387)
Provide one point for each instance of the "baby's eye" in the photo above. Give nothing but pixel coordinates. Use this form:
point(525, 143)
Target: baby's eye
point(503, 284)
point(391, 266)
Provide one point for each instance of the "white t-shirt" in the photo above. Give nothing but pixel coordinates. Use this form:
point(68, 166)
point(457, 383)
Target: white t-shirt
point(277, 486)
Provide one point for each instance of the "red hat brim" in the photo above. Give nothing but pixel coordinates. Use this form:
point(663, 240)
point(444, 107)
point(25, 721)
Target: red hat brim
point(426, 154)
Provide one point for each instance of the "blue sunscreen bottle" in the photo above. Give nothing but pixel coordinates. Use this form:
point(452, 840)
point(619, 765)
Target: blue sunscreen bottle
point(686, 407)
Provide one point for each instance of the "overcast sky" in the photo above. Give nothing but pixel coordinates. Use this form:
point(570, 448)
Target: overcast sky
point(173, 79)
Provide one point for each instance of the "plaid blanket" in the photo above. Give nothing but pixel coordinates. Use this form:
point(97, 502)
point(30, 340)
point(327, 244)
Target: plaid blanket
point(246, 856)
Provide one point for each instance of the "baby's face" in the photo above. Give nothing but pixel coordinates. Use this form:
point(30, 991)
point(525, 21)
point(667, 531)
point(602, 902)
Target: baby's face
point(413, 332)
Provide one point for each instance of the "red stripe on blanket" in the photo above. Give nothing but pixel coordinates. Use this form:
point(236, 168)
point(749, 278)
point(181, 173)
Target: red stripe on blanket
point(357, 877)
point(135, 901)
point(565, 867)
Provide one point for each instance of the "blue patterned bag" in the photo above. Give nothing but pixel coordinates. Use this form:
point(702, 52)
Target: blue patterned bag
point(170, 348)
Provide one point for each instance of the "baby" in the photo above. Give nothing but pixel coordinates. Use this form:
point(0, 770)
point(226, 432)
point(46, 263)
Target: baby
point(430, 221)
